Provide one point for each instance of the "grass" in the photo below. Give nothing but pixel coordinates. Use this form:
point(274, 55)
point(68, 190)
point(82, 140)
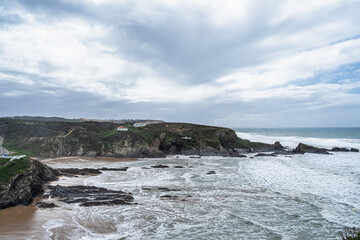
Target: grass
point(108, 133)
point(3, 160)
point(146, 134)
point(11, 169)
point(21, 147)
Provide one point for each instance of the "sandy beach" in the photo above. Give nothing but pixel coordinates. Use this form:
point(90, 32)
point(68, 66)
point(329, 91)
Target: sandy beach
point(27, 222)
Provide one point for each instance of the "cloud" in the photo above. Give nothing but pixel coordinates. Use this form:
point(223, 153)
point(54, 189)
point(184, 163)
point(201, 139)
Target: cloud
point(182, 53)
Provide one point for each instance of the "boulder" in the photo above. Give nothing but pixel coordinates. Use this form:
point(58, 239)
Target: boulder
point(303, 148)
point(278, 146)
point(354, 150)
point(337, 149)
point(266, 155)
point(160, 166)
point(90, 196)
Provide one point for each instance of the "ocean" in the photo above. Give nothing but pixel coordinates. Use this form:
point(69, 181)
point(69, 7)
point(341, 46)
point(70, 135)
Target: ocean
point(306, 196)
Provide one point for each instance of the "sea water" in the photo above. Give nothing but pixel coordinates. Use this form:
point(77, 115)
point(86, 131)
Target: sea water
point(285, 197)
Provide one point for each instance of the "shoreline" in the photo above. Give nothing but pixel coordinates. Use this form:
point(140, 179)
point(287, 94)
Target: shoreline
point(27, 222)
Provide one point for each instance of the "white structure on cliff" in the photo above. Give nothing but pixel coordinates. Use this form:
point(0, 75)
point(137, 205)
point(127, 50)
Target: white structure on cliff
point(140, 124)
point(122, 128)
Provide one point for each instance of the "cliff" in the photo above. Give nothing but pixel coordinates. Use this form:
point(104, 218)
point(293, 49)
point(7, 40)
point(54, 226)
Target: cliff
point(58, 139)
point(21, 181)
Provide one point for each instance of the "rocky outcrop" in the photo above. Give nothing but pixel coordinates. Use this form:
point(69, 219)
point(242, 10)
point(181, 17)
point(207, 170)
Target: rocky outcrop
point(303, 148)
point(90, 196)
point(354, 150)
point(23, 187)
point(88, 171)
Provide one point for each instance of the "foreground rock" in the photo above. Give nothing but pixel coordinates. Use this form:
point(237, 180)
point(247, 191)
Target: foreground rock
point(25, 186)
point(303, 148)
point(88, 171)
point(338, 149)
point(90, 196)
point(46, 205)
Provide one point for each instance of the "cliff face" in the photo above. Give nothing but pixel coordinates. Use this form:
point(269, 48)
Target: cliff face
point(57, 139)
point(23, 187)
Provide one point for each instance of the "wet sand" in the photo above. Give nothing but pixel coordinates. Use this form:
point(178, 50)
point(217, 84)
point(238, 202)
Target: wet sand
point(26, 222)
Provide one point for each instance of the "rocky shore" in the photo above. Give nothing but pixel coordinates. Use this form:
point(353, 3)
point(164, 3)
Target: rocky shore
point(25, 186)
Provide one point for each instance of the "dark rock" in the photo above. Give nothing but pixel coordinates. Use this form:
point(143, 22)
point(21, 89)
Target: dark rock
point(211, 172)
point(278, 146)
point(162, 189)
point(77, 171)
point(178, 167)
point(25, 186)
point(354, 150)
point(337, 149)
point(90, 196)
point(303, 148)
point(124, 169)
point(169, 197)
point(88, 171)
point(160, 166)
point(266, 155)
point(195, 157)
point(105, 203)
point(46, 205)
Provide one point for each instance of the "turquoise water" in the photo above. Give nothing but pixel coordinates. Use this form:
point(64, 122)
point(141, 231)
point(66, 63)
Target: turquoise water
point(350, 133)
point(320, 137)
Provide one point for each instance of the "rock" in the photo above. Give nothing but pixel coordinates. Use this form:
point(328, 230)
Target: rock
point(162, 189)
point(337, 149)
point(169, 197)
point(160, 166)
point(88, 171)
point(278, 146)
point(178, 167)
point(354, 150)
point(124, 169)
point(211, 172)
point(195, 157)
point(266, 155)
point(25, 186)
point(90, 195)
point(303, 148)
point(46, 205)
point(77, 171)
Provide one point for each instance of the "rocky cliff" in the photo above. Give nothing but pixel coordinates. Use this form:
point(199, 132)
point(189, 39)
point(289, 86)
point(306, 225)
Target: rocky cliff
point(22, 187)
point(58, 139)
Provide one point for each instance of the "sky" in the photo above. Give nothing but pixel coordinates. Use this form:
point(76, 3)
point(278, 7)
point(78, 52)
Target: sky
point(234, 63)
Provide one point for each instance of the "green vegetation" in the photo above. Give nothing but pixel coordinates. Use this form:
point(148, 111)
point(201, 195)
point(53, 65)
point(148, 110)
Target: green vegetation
point(11, 169)
point(147, 135)
point(23, 147)
point(3, 160)
point(46, 138)
point(353, 234)
point(108, 133)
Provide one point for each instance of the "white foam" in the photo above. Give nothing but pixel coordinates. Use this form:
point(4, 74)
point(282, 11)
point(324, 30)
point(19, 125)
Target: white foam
point(293, 141)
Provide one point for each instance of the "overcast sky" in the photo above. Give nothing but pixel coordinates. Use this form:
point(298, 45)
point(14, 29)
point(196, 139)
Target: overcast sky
point(241, 63)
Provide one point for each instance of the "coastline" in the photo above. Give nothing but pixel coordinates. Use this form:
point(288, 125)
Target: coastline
point(27, 222)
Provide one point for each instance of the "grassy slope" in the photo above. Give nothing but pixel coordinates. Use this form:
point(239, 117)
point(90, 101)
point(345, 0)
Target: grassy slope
point(93, 136)
point(10, 169)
